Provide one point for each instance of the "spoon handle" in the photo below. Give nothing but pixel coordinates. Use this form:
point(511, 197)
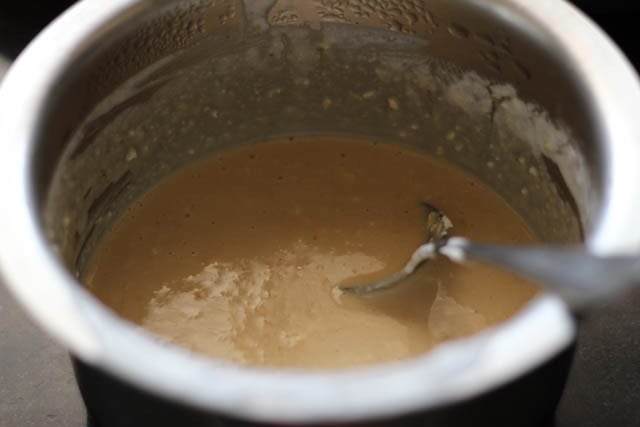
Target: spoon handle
point(579, 277)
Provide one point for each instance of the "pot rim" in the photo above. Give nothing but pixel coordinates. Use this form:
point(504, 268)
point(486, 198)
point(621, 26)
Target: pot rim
point(452, 372)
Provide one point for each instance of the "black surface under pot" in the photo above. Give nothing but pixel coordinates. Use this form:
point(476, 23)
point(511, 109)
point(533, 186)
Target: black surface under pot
point(112, 403)
point(520, 86)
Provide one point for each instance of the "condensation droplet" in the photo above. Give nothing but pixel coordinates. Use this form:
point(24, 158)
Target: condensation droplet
point(485, 39)
point(368, 94)
point(522, 70)
point(393, 104)
point(459, 31)
point(132, 154)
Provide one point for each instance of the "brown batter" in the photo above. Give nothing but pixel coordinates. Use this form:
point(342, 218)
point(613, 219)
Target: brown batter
point(239, 255)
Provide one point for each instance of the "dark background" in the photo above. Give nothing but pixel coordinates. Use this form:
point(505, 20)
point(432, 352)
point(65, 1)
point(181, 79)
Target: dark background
point(37, 387)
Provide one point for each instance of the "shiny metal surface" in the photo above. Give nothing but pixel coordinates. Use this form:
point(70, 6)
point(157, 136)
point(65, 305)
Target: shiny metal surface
point(594, 92)
point(581, 278)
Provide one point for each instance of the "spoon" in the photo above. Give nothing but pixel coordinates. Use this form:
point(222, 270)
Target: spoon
point(576, 275)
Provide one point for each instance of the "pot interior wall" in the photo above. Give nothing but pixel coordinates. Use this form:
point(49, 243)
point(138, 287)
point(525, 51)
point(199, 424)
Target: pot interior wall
point(161, 88)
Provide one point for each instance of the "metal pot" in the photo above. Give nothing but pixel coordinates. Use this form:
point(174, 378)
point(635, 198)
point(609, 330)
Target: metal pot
point(529, 96)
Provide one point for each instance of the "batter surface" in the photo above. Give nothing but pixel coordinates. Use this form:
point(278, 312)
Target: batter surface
point(239, 255)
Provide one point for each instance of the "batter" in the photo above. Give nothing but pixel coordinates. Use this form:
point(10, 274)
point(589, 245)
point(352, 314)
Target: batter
point(239, 255)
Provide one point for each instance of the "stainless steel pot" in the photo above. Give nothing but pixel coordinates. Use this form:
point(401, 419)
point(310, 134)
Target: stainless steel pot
point(529, 96)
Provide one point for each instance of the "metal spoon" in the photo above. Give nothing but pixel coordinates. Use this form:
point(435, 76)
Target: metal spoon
point(578, 276)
